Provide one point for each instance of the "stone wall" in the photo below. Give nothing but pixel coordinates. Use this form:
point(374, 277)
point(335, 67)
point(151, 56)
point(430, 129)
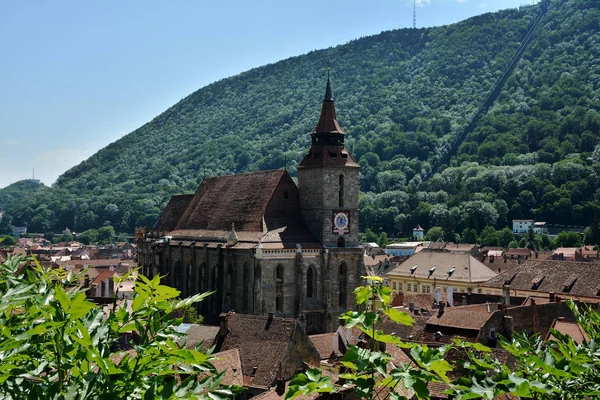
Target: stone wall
point(247, 283)
point(319, 197)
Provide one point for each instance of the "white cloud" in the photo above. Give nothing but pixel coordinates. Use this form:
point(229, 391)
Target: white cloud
point(483, 5)
point(421, 3)
point(461, 1)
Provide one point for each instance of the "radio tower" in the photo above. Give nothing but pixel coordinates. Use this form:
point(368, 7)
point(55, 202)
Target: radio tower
point(414, 14)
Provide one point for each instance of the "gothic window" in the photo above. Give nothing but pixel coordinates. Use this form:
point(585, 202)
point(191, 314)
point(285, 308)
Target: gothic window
point(342, 284)
point(279, 274)
point(310, 282)
point(175, 278)
point(279, 281)
point(341, 242)
point(246, 278)
point(341, 193)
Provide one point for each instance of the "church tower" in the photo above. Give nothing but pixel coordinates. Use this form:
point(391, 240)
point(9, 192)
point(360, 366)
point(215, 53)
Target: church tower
point(328, 182)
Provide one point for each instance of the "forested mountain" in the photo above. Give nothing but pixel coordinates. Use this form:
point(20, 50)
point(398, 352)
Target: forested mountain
point(19, 191)
point(400, 96)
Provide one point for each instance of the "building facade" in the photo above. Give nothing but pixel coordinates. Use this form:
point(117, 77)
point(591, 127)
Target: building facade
point(265, 244)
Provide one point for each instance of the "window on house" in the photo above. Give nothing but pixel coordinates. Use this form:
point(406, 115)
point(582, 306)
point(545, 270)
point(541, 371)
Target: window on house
point(416, 288)
point(394, 285)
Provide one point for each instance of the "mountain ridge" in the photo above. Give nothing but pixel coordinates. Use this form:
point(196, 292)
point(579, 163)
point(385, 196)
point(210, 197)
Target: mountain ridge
point(400, 96)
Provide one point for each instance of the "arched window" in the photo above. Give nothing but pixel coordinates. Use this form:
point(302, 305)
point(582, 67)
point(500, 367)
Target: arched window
point(341, 242)
point(342, 285)
point(310, 282)
point(279, 281)
point(279, 274)
point(341, 193)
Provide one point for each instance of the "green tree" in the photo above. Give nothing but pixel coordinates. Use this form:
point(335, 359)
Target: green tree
point(370, 237)
point(56, 344)
point(88, 237)
point(383, 240)
point(469, 236)
point(505, 236)
point(488, 236)
point(434, 234)
point(568, 239)
point(592, 233)
point(106, 235)
point(7, 240)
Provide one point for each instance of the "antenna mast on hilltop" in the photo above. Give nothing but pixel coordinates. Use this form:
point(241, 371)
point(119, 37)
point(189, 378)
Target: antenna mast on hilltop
point(414, 14)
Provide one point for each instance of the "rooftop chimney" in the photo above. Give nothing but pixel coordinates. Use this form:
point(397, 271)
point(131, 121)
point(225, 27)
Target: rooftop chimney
point(400, 298)
point(441, 310)
point(280, 388)
point(223, 328)
point(506, 293)
point(507, 325)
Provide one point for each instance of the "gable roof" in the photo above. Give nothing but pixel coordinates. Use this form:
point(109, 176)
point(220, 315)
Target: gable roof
point(263, 343)
point(172, 212)
point(572, 329)
point(229, 362)
point(239, 199)
point(448, 267)
point(552, 276)
point(465, 317)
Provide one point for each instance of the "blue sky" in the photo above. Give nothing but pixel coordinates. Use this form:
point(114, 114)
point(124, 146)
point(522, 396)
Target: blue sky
point(77, 75)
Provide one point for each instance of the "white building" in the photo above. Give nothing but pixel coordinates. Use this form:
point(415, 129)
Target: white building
point(405, 248)
point(540, 228)
point(522, 225)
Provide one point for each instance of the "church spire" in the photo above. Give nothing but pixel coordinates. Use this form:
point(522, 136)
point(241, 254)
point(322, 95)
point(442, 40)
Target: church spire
point(328, 95)
point(327, 121)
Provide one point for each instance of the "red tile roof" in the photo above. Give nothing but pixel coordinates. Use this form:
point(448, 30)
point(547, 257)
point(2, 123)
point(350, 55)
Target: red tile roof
point(324, 343)
point(263, 343)
point(102, 276)
point(552, 276)
point(572, 329)
point(172, 212)
point(238, 199)
point(229, 361)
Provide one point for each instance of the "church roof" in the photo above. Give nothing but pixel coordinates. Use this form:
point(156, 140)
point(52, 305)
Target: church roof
point(328, 139)
point(263, 206)
point(327, 121)
point(239, 199)
point(172, 212)
point(328, 155)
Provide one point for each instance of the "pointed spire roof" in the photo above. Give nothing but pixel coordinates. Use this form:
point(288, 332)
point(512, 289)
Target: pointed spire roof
point(328, 122)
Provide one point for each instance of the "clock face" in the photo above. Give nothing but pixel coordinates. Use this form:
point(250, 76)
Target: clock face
point(341, 222)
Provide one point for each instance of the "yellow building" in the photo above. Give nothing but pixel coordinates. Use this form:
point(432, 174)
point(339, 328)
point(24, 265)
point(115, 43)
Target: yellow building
point(428, 269)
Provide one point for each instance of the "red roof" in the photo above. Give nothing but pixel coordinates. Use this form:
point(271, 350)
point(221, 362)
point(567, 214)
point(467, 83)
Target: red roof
point(238, 199)
point(102, 276)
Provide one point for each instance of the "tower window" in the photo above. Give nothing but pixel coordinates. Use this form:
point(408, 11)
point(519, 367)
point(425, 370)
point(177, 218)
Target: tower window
point(341, 193)
point(341, 242)
point(286, 195)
